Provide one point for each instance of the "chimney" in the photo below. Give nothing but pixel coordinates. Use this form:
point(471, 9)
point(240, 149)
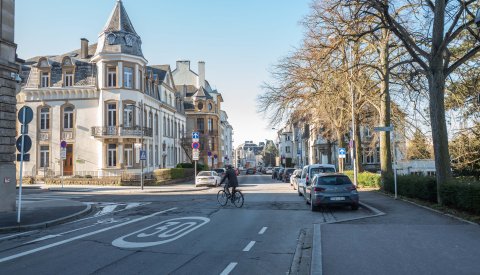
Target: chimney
point(83, 48)
point(183, 65)
point(201, 74)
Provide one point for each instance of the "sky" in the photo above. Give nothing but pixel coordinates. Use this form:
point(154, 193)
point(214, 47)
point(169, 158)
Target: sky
point(239, 40)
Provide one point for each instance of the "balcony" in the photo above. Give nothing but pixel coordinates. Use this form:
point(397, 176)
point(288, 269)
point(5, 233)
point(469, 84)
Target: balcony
point(208, 132)
point(117, 131)
point(67, 135)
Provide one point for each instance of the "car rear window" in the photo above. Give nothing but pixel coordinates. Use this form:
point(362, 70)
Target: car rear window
point(290, 170)
point(333, 180)
point(204, 173)
point(318, 170)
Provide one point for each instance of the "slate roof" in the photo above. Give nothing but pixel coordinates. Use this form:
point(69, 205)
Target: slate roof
point(85, 72)
point(119, 20)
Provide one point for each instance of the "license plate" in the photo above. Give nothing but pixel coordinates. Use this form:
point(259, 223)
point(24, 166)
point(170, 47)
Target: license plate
point(337, 198)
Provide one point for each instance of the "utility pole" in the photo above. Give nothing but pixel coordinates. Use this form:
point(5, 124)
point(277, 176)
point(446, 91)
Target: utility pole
point(141, 140)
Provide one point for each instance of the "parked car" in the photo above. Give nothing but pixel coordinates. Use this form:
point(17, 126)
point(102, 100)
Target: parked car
point(309, 171)
point(269, 171)
point(287, 173)
point(250, 171)
point(220, 171)
point(209, 178)
point(280, 174)
point(275, 172)
point(294, 178)
point(331, 189)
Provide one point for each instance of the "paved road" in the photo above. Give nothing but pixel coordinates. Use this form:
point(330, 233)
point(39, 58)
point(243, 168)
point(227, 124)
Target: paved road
point(171, 233)
point(177, 231)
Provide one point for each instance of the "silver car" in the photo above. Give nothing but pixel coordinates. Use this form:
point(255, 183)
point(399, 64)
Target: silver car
point(294, 178)
point(331, 189)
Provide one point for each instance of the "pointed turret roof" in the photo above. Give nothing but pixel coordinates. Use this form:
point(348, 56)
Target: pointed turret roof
point(119, 20)
point(119, 35)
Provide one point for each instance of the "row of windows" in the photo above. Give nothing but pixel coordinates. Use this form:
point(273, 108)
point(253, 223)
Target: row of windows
point(201, 124)
point(67, 79)
point(67, 122)
point(112, 160)
point(170, 128)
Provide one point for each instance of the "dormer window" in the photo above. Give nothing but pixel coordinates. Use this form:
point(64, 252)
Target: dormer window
point(112, 77)
point(45, 80)
point(68, 79)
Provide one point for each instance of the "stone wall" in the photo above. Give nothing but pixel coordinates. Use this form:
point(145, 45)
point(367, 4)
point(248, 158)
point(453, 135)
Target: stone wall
point(8, 88)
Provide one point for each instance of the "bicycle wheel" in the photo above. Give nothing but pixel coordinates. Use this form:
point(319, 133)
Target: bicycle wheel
point(238, 199)
point(222, 197)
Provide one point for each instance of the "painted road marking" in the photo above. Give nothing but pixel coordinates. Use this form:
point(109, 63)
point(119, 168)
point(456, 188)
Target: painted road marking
point(18, 234)
point(15, 256)
point(167, 231)
point(316, 266)
point(249, 246)
point(229, 268)
point(262, 230)
point(104, 221)
point(107, 209)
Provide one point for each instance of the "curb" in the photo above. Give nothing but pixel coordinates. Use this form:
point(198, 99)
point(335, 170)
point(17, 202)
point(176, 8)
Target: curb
point(50, 223)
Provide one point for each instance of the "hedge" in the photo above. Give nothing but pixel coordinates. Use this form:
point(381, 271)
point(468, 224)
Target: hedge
point(365, 179)
point(413, 186)
point(172, 173)
point(461, 195)
point(200, 167)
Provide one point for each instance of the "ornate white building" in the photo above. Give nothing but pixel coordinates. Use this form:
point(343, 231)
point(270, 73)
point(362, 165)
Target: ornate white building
point(106, 103)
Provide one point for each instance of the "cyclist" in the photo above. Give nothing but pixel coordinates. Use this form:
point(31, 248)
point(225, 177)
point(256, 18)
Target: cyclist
point(232, 179)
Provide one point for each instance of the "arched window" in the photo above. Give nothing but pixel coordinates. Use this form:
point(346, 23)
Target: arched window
point(68, 118)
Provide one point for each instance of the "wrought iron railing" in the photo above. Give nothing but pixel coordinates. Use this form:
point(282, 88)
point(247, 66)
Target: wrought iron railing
point(117, 131)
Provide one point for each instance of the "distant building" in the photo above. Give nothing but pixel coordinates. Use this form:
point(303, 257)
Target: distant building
point(204, 114)
point(106, 104)
point(246, 154)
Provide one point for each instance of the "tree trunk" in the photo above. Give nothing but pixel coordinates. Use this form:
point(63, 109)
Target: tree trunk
point(358, 145)
point(439, 129)
point(385, 112)
point(436, 89)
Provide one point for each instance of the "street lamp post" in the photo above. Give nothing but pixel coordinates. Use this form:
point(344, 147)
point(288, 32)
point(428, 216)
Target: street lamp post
point(352, 92)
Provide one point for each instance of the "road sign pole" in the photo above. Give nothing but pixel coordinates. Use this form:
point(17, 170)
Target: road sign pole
point(21, 172)
point(394, 162)
point(195, 176)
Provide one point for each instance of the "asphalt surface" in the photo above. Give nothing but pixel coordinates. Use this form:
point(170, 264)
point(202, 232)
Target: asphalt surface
point(183, 231)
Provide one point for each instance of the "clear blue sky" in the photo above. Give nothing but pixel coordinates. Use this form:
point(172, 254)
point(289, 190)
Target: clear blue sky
point(238, 39)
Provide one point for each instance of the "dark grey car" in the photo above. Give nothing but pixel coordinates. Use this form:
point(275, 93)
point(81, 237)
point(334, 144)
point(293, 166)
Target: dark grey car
point(331, 189)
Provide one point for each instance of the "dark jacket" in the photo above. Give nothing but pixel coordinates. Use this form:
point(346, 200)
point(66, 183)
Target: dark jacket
point(232, 178)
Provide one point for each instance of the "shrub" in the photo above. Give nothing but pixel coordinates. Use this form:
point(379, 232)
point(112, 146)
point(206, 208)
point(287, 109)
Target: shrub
point(365, 179)
point(413, 186)
point(185, 165)
point(462, 195)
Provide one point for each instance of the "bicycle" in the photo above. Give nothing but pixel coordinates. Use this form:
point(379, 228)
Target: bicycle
point(223, 196)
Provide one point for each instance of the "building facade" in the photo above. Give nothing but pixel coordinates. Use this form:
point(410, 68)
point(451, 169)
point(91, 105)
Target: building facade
point(8, 88)
point(204, 114)
point(105, 105)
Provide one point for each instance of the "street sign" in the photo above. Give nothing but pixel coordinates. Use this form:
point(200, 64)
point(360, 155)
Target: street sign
point(383, 129)
point(209, 153)
point(26, 157)
point(27, 143)
point(215, 156)
point(143, 155)
point(28, 115)
point(63, 153)
point(195, 154)
point(195, 135)
point(63, 144)
point(342, 153)
point(195, 145)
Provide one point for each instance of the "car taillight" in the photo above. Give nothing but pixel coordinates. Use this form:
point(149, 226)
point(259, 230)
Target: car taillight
point(351, 188)
point(306, 179)
point(318, 189)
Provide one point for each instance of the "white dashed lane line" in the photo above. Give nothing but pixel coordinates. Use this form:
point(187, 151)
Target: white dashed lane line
point(249, 246)
point(228, 269)
point(262, 230)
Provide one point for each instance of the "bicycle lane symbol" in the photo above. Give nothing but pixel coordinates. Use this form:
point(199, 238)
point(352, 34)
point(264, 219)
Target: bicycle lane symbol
point(160, 233)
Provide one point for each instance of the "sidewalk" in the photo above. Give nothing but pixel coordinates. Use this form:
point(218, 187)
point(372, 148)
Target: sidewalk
point(42, 214)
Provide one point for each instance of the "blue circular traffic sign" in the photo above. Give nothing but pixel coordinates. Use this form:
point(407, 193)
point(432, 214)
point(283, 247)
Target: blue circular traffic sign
point(195, 145)
point(27, 143)
point(25, 115)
